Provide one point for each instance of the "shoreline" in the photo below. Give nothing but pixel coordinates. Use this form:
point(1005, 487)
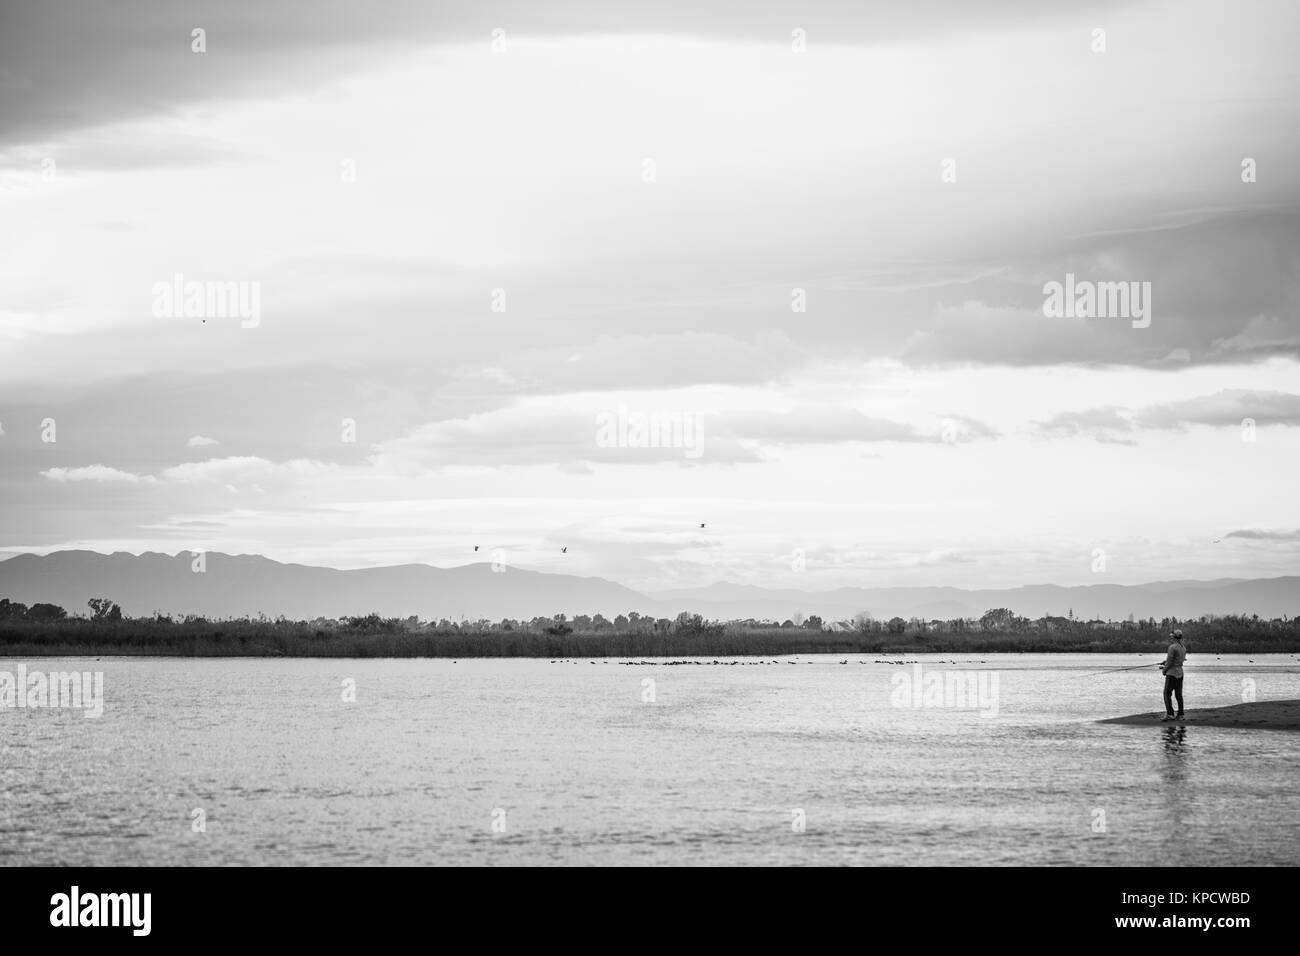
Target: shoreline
point(1256, 715)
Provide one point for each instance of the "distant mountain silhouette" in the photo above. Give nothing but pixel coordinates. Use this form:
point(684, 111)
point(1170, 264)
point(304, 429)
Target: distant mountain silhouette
point(237, 585)
point(1267, 597)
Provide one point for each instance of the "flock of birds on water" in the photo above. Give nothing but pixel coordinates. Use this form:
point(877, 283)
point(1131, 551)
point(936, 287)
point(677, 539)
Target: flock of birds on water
point(749, 663)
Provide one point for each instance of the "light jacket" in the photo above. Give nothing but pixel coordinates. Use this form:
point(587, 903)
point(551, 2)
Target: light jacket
point(1173, 665)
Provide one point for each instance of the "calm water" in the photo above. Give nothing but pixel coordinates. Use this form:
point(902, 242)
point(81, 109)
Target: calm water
point(581, 770)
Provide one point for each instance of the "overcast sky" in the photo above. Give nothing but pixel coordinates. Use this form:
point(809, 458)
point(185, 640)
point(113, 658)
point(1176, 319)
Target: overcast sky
point(640, 195)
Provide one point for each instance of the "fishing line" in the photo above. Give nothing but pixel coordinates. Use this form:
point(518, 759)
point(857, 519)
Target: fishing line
point(1120, 670)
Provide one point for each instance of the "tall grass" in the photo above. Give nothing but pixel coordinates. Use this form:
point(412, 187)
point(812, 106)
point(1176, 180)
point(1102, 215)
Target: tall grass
point(392, 637)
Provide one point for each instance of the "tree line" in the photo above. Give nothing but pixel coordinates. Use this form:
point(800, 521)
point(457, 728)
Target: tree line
point(994, 622)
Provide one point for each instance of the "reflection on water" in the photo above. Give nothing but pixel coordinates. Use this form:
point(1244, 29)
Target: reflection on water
point(533, 762)
point(1175, 739)
point(1173, 771)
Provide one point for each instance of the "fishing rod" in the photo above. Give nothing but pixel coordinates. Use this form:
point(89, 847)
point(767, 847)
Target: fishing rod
point(1120, 670)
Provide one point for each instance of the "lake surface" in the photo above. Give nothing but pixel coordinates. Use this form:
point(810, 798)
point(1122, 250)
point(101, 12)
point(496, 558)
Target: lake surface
point(533, 762)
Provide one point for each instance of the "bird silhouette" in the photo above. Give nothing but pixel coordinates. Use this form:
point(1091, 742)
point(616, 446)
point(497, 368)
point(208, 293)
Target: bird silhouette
point(475, 547)
point(564, 551)
point(701, 524)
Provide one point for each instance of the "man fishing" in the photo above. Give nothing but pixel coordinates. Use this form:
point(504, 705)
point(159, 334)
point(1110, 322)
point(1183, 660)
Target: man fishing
point(1172, 668)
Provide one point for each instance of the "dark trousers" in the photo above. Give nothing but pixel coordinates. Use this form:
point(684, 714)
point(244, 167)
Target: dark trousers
point(1174, 686)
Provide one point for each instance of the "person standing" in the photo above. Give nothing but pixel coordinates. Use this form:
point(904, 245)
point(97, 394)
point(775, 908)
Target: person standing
point(1172, 668)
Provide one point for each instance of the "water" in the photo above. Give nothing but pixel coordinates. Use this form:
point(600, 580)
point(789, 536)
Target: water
point(580, 770)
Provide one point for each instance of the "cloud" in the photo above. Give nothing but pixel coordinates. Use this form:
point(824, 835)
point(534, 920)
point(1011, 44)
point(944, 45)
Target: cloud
point(69, 64)
point(1227, 407)
point(563, 431)
point(968, 429)
point(94, 473)
point(1106, 425)
point(592, 428)
point(981, 334)
point(220, 470)
point(1224, 287)
point(135, 146)
point(809, 425)
point(1251, 535)
point(645, 361)
point(716, 254)
point(199, 440)
point(242, 468)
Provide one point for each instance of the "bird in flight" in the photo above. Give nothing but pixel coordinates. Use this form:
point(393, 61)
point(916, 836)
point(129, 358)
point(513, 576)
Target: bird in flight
point(564, 551)
point(475, 547)
point(701, 524)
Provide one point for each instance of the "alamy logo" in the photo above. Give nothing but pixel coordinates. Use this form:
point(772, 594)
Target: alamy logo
point(633, 429)
point(179, 299)
point(75, 690)
point(944, 688)
point(1098, 300)
point(102, 909)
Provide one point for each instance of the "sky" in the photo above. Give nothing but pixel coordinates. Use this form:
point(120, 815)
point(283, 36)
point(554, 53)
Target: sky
point(487, 241)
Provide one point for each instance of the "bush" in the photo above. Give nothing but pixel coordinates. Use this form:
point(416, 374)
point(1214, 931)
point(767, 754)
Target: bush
point(46, 612)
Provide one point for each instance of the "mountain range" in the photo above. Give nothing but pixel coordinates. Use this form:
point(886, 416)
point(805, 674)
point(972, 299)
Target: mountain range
point(238, 585)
